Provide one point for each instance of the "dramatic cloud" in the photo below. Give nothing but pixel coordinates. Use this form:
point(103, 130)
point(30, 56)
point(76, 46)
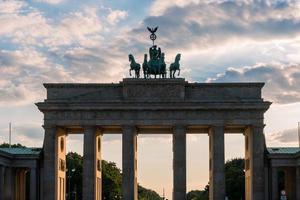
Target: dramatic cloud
point(202, 25)
point(76, 47)
point(282, 82)
point(69, 50)
point(25, 25)
point(23, 72)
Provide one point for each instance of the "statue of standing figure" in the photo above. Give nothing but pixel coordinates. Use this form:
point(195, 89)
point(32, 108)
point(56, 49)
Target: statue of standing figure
point(156, 64)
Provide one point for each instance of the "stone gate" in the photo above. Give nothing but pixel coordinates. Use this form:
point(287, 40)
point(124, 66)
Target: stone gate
point(141, 106)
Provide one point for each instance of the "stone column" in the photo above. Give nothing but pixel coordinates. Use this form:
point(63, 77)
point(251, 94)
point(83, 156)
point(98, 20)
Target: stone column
point(290, 182)
point(216, 163)
point(255, 182)
point(274, 179)
point(33, 184)
point(297, 183)
point(2, 182)
point(179, 162)
point(98, 164)
point(9, 183)
point(49, 184)
point(91, 164)
point(22, 185)
point(129, 163)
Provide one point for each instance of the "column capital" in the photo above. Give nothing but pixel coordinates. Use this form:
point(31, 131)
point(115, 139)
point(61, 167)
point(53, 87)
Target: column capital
point(179, 128)
point(129, 128)
point(217, 125)
point(258, 125)
point(89, 127)
point(216, 129)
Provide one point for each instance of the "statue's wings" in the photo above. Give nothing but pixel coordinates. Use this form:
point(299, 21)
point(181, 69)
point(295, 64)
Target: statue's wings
point(155, 29)
point(149, 29)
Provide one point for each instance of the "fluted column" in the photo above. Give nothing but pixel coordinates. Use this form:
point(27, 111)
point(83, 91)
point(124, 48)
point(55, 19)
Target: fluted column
point(33, 184)
point(217, 163)
point(255, 182)
point(275, 192)
point(49, 184)
point(91, 164)
point(129, 163)
point(179, 162)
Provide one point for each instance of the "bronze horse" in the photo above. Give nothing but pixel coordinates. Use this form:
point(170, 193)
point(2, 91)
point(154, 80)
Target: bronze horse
point(134, 66)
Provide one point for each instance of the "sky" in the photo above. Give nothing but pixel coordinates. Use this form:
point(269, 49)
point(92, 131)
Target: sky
point(89, 41)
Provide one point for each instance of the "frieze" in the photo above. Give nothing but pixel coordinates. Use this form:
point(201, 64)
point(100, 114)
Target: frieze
point(150, 115)
point(155, 90)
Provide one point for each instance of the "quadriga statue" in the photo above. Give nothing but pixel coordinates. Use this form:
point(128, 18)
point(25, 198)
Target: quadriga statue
point(156, 65)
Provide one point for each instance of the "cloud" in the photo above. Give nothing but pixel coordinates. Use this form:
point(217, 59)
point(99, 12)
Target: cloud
point(285, 136)
point(67, 50)
point(282, 81)
point(26, 25)
point(23, 72)
point(82, 46)
point(116, 15)
point(50, 1)
point(202, 25)
point(7, 7)
point(30, 135)
point(82, 28)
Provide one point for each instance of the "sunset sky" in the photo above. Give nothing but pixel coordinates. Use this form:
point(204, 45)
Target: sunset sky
point(89, 41)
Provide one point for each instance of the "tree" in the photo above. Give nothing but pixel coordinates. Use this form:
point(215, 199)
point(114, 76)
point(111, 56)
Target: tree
point(111, 180)
point(146, 194)
point(6, 145)
point(198, 194)
point(74, 174)
point(235, 179)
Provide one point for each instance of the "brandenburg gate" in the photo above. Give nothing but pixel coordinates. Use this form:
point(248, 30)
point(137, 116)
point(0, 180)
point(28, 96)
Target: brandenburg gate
point(142, 106)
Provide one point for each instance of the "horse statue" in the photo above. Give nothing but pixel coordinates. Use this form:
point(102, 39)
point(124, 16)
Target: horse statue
point(175, 66)
point(145, 67)
point(134, 66)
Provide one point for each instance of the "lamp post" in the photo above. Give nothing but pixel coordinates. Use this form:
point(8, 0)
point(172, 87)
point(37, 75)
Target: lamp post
point(299, 133)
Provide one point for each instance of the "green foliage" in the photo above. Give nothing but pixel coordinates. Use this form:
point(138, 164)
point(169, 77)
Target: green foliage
point(112, 181)
point(146, 194)
point(6, 145)
point(74, 171)
point(235, 179)
point(198, 195)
